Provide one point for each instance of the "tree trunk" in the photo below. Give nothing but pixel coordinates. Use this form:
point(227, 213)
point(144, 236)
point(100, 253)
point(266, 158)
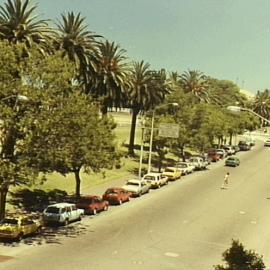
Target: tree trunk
point(3, 196)
point(231, 137)
point(78, 183)
point(132, 132)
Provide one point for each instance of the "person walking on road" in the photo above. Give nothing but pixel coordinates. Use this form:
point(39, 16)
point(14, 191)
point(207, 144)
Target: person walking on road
point(226, 181)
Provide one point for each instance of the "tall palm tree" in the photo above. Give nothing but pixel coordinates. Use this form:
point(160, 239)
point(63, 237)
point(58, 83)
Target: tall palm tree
point(112, 76)
point(147, 90)
point(78, 44)
point(262, 103)
point(195, 82)
point(19, 24)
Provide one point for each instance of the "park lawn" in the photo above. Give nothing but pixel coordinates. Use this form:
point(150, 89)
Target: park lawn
point(67, 183)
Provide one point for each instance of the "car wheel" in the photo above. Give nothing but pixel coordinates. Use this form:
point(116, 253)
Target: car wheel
point(80, 217)
point(39, 230)
point(66, 222)
point(19, 237)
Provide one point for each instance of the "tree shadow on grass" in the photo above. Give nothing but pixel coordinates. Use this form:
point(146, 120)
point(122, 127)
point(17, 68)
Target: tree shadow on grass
point(36, 200)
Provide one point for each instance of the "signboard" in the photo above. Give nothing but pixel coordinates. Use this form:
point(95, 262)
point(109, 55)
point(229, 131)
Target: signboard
point(168, 130)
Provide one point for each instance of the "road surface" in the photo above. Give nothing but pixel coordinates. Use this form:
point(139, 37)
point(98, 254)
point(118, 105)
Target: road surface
point(186, 225)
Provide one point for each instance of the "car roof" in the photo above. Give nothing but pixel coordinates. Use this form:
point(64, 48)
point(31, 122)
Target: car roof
point(152, 174)
point(60, 205)
point(134, 181)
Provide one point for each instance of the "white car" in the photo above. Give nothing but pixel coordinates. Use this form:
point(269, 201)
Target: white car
point(267, 142)
point(222, 153)
point(62, 213)
point(185, 167)
point(230, 150)
point(136, 187)
point(198, 162)
point(155, 180)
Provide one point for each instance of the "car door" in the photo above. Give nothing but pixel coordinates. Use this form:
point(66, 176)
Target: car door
point(28, 226)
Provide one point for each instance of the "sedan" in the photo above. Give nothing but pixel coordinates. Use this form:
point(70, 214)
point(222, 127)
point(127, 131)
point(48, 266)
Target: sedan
point(232, 161)
point(185, 167)
point(116, 195)
point(136, 187)
point(92, 204)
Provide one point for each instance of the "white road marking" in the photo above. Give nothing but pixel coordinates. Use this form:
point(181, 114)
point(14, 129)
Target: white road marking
point(172, 254)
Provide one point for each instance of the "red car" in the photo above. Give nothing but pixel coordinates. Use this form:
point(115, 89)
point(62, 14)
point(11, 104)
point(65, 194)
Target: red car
point(116, 195)
point(92, 204)
point(214, 156)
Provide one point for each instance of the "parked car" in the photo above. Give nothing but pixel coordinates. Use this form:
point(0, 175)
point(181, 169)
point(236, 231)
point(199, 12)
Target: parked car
point(92, 204)
point(244, 146)
point(229, 149)
point(17, 227)
point(198, 162)
point(155, 180)
point(136, 187)
point(173, 173)
point(185, 167)
point(236, 148)
point(62, 213)
point(267, 142)
point(213, 155)
point(232, 161)
point(116, 195)
point(221, 152)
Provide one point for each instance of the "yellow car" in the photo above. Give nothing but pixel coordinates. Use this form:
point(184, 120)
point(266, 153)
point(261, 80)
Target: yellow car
point(15, 228)
point(172, 173)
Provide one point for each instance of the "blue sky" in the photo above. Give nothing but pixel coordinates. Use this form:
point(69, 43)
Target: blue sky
point(226, 39)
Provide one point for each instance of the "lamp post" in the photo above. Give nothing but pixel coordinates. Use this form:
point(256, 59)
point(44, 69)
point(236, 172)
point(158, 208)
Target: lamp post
point(238, 109)
point(174, 104)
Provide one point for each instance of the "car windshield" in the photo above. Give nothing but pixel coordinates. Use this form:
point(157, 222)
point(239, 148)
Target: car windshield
point(86, 200)
point(231, 158)
point(169, 170)
point(149, 177)
point(12, 221)
point(52, 210)
point(111, 191)
point(182, 165)
point(133, 184)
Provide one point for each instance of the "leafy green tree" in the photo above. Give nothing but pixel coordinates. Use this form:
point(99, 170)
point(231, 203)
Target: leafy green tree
point(238, 258)
point(73, 137)
point(21, 101)
point(79, 45)
point(112, 76)
point(20, 24)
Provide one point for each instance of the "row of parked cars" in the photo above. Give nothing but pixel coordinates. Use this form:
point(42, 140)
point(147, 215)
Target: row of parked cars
point(72, 209)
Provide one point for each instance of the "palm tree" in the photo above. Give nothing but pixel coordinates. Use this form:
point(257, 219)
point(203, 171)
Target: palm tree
point(262, 103)
point(19, 25)
point(147, 90)
point(195, 82)
point(112, 76)
point(78, 44)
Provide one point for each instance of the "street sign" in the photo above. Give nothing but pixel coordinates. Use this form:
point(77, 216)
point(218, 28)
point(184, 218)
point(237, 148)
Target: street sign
point(168, 130)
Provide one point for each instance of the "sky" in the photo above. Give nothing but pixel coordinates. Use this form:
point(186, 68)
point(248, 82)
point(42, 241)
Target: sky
point(225, 39)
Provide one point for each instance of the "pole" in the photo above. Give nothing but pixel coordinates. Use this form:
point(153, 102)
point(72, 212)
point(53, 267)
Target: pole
point(141, 155)
point(151, 142)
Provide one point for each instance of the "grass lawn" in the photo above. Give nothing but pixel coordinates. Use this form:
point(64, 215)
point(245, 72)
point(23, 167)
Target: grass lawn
point(56, 180)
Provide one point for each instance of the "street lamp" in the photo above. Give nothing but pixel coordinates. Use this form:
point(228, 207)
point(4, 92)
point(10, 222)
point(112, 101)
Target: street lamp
point(174, 104)
point(237, 109)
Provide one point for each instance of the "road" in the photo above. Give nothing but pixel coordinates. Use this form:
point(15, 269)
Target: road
point(186, 225)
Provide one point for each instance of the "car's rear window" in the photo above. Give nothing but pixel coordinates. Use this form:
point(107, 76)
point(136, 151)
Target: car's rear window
point(9, 221)
point(111, 191)
point(169, 170)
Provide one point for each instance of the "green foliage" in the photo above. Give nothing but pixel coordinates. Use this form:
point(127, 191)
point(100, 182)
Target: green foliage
point(238, 258)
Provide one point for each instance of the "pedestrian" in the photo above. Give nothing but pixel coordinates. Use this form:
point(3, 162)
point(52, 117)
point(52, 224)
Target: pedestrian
point(226, 181)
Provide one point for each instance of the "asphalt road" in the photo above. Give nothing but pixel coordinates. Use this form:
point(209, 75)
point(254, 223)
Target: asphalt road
point(185, 226)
